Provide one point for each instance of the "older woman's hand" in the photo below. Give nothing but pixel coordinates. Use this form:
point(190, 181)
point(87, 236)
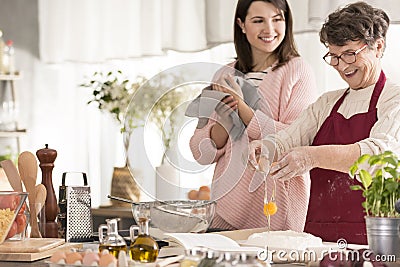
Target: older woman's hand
point(297, 161)
point(261, 152)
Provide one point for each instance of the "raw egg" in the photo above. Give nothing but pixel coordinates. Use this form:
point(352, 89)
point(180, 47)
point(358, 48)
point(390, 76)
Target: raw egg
point(58, 257)
point(203, 195)
point(91, 259)
point(107, 260)
point(204, 188)
point(74, 258)
point(193, 194)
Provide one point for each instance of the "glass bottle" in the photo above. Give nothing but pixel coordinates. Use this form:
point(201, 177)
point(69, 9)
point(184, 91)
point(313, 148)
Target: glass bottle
point(8, 107)
point(113, 242)
point(144, 249)
point(8, 58)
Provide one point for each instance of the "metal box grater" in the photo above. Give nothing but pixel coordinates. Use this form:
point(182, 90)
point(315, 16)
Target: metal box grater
point(75, 218)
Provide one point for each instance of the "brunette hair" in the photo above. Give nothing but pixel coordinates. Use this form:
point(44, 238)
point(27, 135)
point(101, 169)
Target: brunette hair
point(285, 51)
point(355, 22)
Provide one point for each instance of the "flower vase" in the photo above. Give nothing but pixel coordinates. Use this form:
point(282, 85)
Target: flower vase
point(124, 185)
point(167, 182)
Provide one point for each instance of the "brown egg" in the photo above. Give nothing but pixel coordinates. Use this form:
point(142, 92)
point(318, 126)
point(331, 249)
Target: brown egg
point(204, 188)
point(193, 194)
point(58, 257)
point(203, 195)
point(73, 258)
point(90, 258)
point(107, 260)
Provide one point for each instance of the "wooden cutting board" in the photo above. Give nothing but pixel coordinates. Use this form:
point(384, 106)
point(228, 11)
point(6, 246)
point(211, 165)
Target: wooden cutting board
point(45, 249)
point(30, 245)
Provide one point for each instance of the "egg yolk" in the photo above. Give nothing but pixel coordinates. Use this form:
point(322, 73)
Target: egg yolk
point(270, 208)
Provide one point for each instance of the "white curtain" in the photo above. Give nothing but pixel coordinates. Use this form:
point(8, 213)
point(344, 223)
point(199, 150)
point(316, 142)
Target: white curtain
point(319, 10)
point(97, 30)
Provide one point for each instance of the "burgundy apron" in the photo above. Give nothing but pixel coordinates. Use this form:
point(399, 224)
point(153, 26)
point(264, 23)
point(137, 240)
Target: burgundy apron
point(334, 210)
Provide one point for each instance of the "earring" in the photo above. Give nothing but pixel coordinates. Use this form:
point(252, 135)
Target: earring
point(243, 30)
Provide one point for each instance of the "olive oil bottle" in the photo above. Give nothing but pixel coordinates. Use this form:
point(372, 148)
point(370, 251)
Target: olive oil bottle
point(144, 248)
point(113, 242)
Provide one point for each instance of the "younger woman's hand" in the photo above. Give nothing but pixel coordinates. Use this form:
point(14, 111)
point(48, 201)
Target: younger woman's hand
point(228, 84)
point(224, 110)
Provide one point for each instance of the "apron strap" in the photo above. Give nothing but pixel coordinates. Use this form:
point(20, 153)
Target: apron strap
point(377, 91)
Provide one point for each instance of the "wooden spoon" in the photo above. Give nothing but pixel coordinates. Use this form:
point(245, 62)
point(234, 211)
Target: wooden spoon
point(41, 193)
point(12, 174)
point(27, 166)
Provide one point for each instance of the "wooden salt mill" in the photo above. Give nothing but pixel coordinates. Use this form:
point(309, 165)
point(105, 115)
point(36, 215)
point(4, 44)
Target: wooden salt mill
point(46, 158)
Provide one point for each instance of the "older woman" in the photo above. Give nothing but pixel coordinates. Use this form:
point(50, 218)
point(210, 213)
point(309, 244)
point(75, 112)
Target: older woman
point(341, 125)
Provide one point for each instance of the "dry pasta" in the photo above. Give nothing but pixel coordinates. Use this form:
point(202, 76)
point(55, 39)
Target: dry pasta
point(6, 219)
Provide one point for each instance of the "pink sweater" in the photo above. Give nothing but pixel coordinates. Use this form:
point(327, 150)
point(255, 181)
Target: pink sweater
point(288, 90)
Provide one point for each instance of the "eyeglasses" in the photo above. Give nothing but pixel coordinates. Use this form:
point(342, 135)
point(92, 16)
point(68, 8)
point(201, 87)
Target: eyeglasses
point(347, 57)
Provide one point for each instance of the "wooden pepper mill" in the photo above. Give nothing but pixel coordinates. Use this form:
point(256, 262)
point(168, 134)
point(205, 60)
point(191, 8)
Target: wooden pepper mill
point(46, 158)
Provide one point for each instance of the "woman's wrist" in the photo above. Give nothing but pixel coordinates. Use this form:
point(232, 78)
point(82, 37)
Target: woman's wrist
point(246, 113)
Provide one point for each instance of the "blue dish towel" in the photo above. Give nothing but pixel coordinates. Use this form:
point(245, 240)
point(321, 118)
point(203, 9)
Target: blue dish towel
point(204, 105)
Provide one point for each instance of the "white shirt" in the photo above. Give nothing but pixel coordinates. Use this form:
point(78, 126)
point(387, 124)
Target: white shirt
point(385, 134)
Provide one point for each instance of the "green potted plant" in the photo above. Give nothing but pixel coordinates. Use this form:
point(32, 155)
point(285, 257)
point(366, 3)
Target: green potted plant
point(133, 103)
point(380, 184)
point(112, 92)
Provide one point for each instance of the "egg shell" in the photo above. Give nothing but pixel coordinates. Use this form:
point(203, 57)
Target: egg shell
point(204, 188)
point(122, 259)
point(90, 258)
point(58, 257)
point(192, 194)
point(204, 195)
point(74, 258)
point(104, 252)
point(87, 251)
point(107, 260)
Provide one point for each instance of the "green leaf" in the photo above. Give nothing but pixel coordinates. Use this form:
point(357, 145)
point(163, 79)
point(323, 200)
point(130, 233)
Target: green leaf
point(391, 186)
point(353, 170)
point(390, 160)
point(363, 159)
point(375, 160)
point(388, 153)
point(366, 178)
point(356, 187)
point(392, 172)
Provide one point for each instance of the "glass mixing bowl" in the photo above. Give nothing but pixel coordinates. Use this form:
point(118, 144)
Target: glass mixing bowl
point(177, 216)
point(10, 207)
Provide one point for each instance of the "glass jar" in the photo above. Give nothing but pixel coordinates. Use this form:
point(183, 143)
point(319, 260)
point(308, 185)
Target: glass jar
point(113, 242)
point(8, 107)
point(144, 248)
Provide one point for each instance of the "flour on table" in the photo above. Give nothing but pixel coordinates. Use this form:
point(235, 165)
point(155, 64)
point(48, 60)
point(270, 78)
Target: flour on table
point(284, 240)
